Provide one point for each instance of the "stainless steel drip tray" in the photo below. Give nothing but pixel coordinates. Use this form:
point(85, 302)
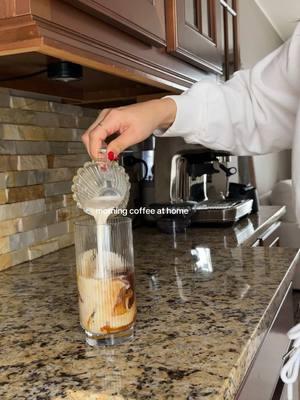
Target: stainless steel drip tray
point(221, 212)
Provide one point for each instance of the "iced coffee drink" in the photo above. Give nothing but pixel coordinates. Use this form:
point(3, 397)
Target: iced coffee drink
point(106, 304)
point(105, 277)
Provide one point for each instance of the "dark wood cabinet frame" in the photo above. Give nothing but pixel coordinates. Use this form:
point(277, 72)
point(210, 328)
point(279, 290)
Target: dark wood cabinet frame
point(236, 48)
point(211, 19)
point(188, 43)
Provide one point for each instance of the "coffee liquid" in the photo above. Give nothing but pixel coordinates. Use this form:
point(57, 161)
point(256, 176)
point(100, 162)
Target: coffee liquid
point(107, 305)
point(106, 288)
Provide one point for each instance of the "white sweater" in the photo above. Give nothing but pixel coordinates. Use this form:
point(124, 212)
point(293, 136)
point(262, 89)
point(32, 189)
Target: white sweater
point(255, 112)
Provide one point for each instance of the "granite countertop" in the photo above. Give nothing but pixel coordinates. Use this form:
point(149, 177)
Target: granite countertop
point(243, 233)
point(196, 334)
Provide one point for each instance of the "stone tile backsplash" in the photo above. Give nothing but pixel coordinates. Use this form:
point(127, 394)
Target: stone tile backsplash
point(40, 151)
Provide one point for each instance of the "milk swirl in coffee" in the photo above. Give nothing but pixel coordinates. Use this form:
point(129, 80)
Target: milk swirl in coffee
point(106, 285)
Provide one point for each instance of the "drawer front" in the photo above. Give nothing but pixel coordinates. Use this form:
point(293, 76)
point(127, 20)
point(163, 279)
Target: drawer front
point(270, 238)
point(263, 375)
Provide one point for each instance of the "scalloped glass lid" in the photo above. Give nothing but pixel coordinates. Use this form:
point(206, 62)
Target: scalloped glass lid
point(101, 182)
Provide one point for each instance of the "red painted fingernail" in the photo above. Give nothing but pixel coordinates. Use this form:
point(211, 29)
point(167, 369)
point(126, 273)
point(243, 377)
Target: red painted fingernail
point(112, 156)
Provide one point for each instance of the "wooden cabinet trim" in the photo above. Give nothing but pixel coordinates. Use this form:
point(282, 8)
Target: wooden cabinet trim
point(171, 24)
point(116, 19)
point(236, 52)
point(69, 44)
point(58, 28)
point(213, 18)
point(9, 8)
point(19, 35)
point(236, 43)
point(55, 28)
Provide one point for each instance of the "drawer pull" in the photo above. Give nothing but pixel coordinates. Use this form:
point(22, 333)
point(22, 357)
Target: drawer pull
point(288, 354)
point(228, 8)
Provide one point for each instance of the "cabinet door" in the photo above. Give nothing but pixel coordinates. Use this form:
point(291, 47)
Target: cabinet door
point(144, 19)
point(194, 32)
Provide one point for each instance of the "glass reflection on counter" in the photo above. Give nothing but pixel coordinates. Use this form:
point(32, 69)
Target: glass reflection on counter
point(179, 284)
point(244, 290)
point(202, 260)
point(154, 282)
point(196, 265)
point(110, 378)
point(243, 232)
point(178, 238)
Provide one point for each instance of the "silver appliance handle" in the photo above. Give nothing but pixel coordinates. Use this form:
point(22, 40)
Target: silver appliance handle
point(179, 180)
point(175, 178)
point(228, 8)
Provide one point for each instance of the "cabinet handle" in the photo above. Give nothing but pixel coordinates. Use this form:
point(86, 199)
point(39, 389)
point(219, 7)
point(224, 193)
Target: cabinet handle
point(228, 8)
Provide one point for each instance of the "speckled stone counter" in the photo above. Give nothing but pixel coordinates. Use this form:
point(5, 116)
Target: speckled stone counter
point(243, 233)
point(198, 327)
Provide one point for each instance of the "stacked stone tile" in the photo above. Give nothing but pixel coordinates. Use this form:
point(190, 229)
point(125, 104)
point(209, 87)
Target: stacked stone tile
point(40, 151)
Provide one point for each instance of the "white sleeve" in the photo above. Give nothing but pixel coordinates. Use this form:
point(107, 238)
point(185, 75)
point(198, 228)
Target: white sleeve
point(252, 113)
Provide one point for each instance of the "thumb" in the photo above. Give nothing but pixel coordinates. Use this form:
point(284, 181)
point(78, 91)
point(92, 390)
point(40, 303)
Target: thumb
point(122, 142)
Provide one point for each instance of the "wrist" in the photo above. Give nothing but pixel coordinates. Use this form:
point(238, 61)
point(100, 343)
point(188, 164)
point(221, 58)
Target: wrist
point(167, 112)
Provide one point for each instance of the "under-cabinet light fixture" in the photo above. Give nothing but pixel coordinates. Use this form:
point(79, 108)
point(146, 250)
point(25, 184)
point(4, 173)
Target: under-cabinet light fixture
point(64, 71)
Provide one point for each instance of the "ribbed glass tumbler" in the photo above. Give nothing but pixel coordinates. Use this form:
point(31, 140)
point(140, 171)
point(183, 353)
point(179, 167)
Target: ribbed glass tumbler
point(105, 277)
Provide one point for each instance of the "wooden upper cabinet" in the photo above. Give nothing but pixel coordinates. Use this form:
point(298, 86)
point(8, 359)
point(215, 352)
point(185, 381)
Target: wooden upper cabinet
point(194, 32)
point(144, 19)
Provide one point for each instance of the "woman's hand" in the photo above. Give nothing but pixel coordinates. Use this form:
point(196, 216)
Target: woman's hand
point(133, 123)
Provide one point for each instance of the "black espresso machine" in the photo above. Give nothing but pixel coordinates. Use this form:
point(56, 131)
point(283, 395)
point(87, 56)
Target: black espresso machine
point(192, 183)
